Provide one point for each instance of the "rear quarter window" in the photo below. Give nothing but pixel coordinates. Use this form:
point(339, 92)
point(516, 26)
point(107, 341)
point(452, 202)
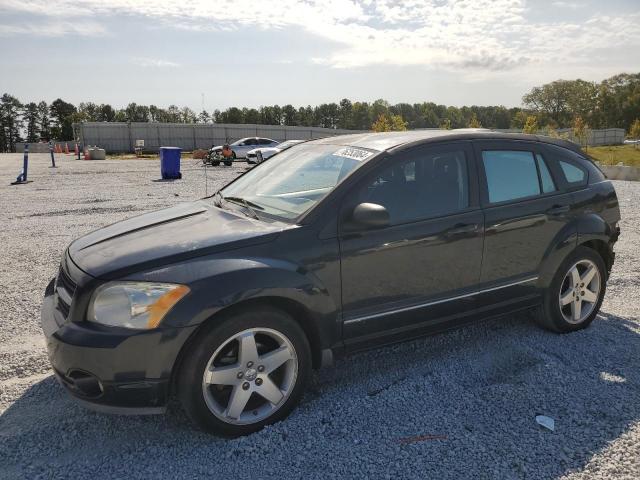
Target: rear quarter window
point(573, 174)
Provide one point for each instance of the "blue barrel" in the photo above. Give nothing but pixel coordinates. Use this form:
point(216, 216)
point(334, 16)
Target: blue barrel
point(170, 162)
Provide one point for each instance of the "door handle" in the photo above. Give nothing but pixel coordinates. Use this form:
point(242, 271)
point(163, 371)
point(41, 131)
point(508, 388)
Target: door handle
point(461, 229)
point(558, 210)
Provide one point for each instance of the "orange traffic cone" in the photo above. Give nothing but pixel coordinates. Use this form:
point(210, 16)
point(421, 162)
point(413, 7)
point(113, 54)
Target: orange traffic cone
point(66, 149)
point(76, 152)
point(86, 154)
point(56, 148)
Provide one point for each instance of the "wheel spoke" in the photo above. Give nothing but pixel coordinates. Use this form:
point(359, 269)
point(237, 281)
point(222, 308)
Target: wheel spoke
point(270, 391)
point(588, 275)
point(274, 359)
point(222, 375)
point(589, 296)
point(575, 277)
point(248, 349)
point(576, 309)
point(237, 402)
point(567, 298)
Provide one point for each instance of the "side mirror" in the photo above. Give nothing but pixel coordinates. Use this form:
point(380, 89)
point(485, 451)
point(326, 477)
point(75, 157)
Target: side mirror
point(371, 215)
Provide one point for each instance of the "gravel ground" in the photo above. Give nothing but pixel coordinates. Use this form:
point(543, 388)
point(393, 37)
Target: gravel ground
point(456, 405)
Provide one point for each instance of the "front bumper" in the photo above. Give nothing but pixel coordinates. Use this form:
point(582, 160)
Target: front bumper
point(114, 370)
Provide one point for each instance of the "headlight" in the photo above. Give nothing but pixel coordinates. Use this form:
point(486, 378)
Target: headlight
point(134, 304)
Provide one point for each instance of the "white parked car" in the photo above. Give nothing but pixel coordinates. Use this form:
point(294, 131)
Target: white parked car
point(242, 146)
point(253, 157)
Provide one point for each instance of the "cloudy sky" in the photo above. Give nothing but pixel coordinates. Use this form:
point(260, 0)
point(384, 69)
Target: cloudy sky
point(241, 52)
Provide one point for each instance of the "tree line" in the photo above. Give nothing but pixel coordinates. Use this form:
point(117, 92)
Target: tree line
point(614, 102)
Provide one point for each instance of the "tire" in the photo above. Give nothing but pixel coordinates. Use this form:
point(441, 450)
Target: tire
point(207, 399)
point(574, 315)
point(233, 154)
point(215, 163)
point(228, 164)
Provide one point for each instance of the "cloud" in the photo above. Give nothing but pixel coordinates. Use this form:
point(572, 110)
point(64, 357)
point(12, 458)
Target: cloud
point(456, 35)
point(571, 5)
point(153, 62)
point(52, 28)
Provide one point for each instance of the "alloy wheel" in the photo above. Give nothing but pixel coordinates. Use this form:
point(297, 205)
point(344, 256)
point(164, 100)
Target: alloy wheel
point(250, 376)
point(580, 291)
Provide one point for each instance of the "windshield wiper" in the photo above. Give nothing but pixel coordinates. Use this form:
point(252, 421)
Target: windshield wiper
point(250, 206)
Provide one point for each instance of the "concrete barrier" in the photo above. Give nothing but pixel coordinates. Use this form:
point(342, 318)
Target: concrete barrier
point(621, 172)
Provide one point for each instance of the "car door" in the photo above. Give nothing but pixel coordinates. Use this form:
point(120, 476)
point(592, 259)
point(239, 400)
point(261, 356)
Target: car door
point(525, 210)
point(242, 149)
point(417, 270)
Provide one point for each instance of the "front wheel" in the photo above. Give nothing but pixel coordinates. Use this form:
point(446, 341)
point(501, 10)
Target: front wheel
point(576, 292)
point(245, 373)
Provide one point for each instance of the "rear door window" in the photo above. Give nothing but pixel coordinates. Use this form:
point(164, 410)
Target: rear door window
point(510, 174)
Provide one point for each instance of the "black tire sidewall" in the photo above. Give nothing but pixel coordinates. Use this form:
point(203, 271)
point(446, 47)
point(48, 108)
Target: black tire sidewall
point(210, 338)
point(552, 311)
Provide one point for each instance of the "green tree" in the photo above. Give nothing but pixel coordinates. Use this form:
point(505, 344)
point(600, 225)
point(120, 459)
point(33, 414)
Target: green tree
point(44, 122)
point(345, 114)
point(32, 118)
point(381, 124)
point(360, 116)
point(289, 115)
point(446, 124)
point(250, 115)
point(89, 111)
point(581, 131)
point(634, 131)
point(106, 113)
point(204, 117)
point(61, 113)
point(187, 115)
point(10, 122)
point(388, 122)
point(474, 122)
point(531, 125)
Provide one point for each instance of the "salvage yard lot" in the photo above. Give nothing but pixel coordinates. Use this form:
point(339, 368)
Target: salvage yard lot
point(456, 405)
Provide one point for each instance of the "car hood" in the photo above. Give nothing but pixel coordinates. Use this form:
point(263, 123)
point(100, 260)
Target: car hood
point(167, 236)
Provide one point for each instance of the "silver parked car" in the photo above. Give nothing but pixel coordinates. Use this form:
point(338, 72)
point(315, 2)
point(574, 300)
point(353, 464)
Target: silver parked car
point(260, 154)
point(242, 146)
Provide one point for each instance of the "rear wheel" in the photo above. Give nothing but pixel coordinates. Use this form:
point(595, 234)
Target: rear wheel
point(228, 164)
point(576, 292)
point(245, 373)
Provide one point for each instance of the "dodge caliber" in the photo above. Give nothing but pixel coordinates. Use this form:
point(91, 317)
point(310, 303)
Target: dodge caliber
point(333, 246)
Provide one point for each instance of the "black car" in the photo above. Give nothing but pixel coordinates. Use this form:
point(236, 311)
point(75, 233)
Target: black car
point(332, 246)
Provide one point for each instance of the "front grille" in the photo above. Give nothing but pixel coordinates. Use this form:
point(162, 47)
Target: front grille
point(63, 307)
point(66, 282)
point(65, 289)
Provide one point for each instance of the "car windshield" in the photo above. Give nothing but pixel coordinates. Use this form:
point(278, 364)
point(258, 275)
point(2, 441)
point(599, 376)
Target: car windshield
point(294, 181)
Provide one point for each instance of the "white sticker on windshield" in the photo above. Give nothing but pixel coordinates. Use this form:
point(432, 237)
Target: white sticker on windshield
point(353, 153)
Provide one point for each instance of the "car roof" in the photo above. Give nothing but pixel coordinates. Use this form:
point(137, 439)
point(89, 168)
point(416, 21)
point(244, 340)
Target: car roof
point(386, 141)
